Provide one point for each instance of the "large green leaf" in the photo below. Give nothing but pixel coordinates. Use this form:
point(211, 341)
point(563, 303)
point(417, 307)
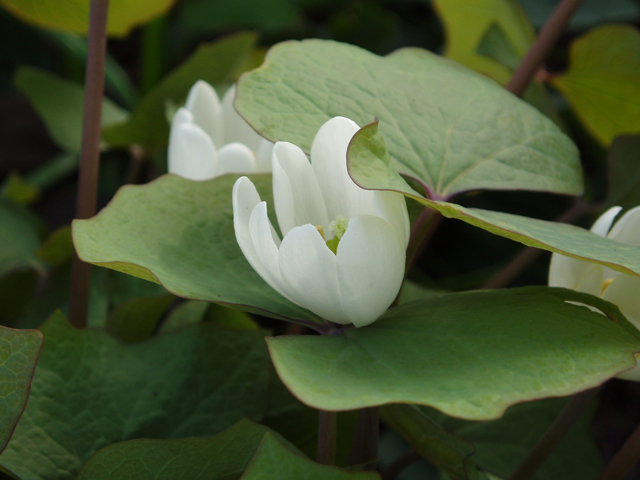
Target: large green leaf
point(447, 126)
point(371, 168)
point(19, 350)
point(73, 15)
point(59, 103)
point(274, 460)
point(19, 238)
point(218, 63)
point(602, 83)
point(90, 391)
point(222, 457)
point(470, 355)
point(180, 233)
point(467, 23)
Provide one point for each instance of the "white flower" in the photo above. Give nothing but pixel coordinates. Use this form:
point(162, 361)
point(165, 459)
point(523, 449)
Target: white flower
point(209, 139)
point(320, 211)
point(618, 288)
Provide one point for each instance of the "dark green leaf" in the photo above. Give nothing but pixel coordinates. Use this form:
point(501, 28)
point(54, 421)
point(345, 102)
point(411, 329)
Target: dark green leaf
point(19, 238)
point(624, 172)
point(136, 320)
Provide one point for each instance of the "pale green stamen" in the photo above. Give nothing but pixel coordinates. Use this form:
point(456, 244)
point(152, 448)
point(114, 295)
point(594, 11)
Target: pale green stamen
point(338, 227)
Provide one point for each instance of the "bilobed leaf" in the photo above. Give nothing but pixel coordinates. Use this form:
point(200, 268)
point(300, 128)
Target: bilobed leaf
point(371, 168)
point(216, 63)
point(467, 23)
point(73, 15)
point(19, 350)
point(59, 102)
point(90, 391)
point(602, 83)
point(447, 126)
point(222, 457)
point(274, 460)
point(470, 355)
point(180, 233)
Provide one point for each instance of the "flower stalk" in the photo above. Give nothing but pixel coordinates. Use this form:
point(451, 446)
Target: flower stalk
point(364, 450)
point(90, 153)
point(327, 428)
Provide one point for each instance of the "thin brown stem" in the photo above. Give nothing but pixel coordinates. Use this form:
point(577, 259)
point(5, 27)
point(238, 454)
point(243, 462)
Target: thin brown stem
point(623, 461)
point(528, 255)
point(399, 464)
point(327, 427)
point(556, 432)
point(364, 450)
point(90, 154)
point(539, 51)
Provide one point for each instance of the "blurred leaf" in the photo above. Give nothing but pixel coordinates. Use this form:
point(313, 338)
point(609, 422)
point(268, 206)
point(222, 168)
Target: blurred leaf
point(470, 355)
point(51, 172)
point(274, 460)
point(16, 189)
point(73, 15)
point(370, 167)
point(496, 45)
point(207, 16)
point(19, 238)
point(136, 319)
point(441, 448)
point(447, 126)
point(467, 23)
point(57, 249)
point(187, 313)
point(624, 172)
point(225, 317)
point(217, 63)
point(90, 391)
point(116, 79)
point(602, 83)
point(222, 457)
point(19, 351)
point(59, 103)
point(590, 13)
point(180, 233)
point(16, 291)
point(502, 444)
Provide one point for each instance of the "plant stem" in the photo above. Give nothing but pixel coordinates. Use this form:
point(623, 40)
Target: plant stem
point(364, 450)
point(529, 254)
point(327, 425)
point(90, 153)
point(153, 53)
point(399, 464)
point(556, 432)
point(540, 49)
point(624, 460)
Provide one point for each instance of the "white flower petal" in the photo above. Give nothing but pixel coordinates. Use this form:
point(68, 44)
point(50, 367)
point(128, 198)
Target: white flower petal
point(329, 161)
point(263, 156)
point(236, 128)
point(603, 223)
point(574, 274)
point(204, 105)
point(309, 275)
point(236, 158)
point(296, 193)
point(370, 264)
point(191, 152)
point(627, 229)
point(393, 208)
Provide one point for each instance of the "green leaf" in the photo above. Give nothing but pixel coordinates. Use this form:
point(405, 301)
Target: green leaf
point(602, 83)
point(216, 63)
point(59, 103)
point(180, 233)
point(225, 317)
point(274, 460)
point(371, 168)
point(16, 189)
point(624, 172)
point(19, 350)
point(447, 126)
point(466, 25)
point(73, 15)
point(16, 292)
point(222, 457)
point(19, 238)
point(187, 313)
point(57, 249)
point(441, 448)
point(502, 444)
point(136, 319)
point(470, 355)
point(590, 13)
point(90, 391)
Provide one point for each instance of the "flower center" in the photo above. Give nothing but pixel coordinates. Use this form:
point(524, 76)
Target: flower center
point(338, 227)
point(606, 284)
